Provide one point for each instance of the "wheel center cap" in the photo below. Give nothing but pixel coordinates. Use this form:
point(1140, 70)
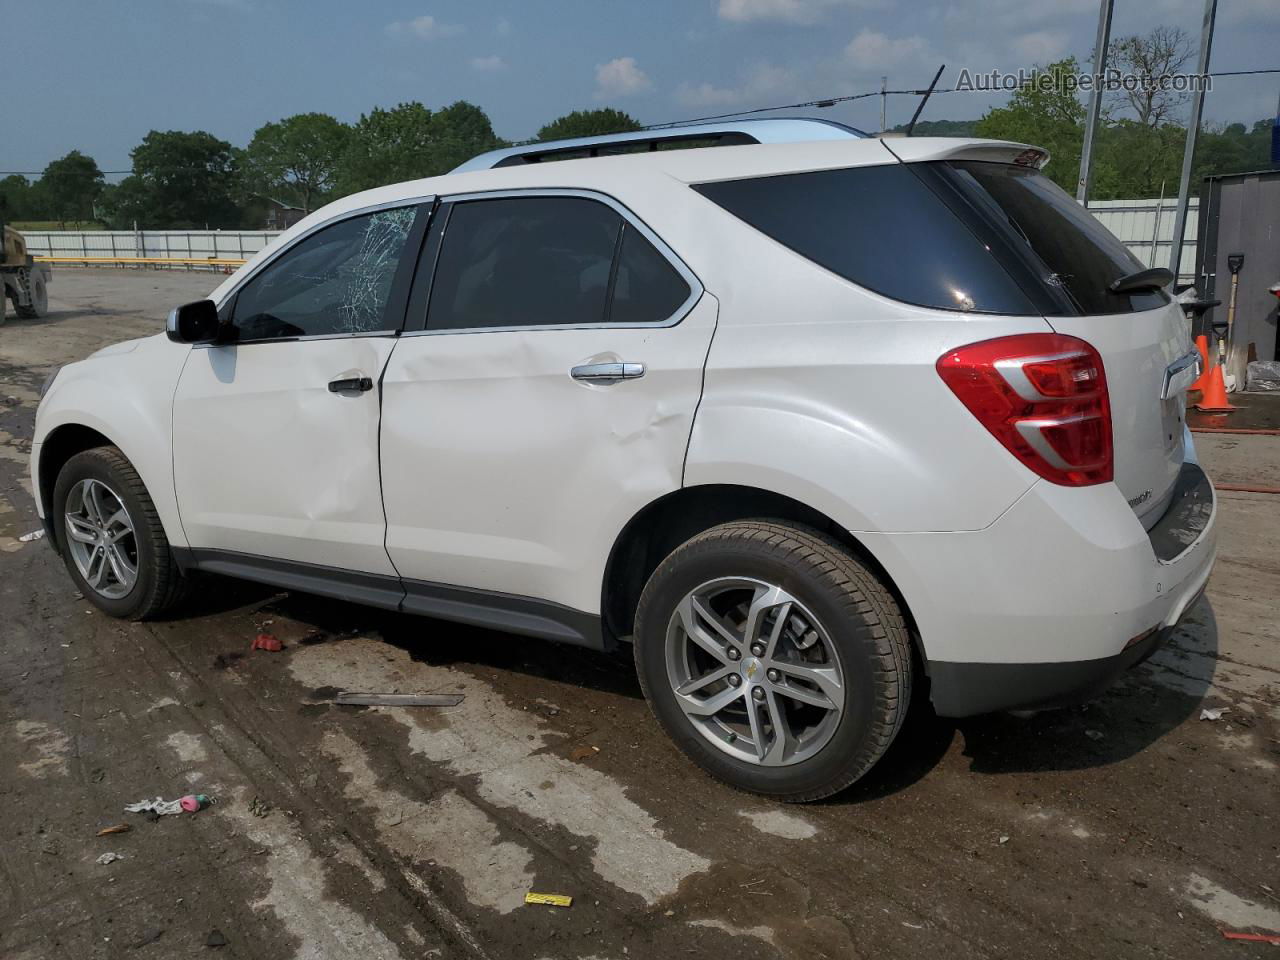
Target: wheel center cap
point(752, 669)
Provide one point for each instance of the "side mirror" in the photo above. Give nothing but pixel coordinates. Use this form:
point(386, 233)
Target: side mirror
point(195, 322)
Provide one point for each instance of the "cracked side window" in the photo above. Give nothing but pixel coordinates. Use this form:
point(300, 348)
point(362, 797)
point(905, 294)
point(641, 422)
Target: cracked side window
point(336, 281)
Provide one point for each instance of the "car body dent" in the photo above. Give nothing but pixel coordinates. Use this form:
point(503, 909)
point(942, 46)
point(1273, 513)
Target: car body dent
point(127, 396)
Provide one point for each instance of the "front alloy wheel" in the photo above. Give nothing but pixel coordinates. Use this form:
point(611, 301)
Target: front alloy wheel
point(754, 671)
point(101, 539)
point(109, 534)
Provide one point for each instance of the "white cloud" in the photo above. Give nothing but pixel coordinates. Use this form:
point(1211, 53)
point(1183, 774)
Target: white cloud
point(872, 50)
point(760, 84)
point(425, 28)
point(488, 64)
point(1041, 46)
point(787, 11)
point(620, 77)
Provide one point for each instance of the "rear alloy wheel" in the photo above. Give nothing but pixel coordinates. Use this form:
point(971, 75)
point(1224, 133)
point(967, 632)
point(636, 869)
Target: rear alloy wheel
point(111, 538)
point(773, 658)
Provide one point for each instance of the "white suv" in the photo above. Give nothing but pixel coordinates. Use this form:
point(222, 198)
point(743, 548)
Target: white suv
point(807, 423)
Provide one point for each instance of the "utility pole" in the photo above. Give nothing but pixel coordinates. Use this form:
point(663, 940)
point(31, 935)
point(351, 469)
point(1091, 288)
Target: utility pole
point(1193, 133)
point(884, 86)
point(1095, 101)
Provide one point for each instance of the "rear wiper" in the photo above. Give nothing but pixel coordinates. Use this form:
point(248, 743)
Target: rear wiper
point(1154, 278)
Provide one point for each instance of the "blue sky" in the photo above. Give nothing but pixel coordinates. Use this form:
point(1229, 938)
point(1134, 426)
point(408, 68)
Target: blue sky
point(96, 76)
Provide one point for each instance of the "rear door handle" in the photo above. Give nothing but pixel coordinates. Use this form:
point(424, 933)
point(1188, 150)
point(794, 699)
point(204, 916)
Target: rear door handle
point(351, 385)
point(607, 373)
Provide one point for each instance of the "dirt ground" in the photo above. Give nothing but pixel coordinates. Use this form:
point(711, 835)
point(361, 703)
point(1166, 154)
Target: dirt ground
point(1127, 828)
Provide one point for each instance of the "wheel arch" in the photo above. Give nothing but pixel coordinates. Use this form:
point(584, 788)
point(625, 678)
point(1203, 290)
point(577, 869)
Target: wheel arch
point(62, 443)
point(662, 525)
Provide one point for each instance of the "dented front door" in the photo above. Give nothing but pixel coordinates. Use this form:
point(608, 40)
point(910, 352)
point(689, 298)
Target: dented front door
point(275, 432)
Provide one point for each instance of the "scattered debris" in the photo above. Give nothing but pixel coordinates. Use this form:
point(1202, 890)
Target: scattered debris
point(268, 642)
point(549, 899)
point(1252, 937)
point(166, 808)
point(114, 828)
point(195, 802)
point(578, 754)
point(913, 926)
point(399, 699)
point(1004, 840)
point(1094, 735)
point(33, 535)
point(107, 858)
point(1213, 713)
point(151, 936)
point(259, 807)
point(215, 938)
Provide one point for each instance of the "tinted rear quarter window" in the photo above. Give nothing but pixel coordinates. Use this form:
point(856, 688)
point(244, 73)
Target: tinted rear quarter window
point(881, 228)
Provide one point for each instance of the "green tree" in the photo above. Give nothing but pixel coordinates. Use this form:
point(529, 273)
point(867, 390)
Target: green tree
point(1047, 113)
point(589, 123)
point(180, 180)
point(70, 186)
point(409, 141)
point(295, 159)
point(16, 200)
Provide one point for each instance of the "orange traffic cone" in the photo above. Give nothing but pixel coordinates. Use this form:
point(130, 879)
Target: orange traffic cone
point(1215, 393)
point(1202, 347)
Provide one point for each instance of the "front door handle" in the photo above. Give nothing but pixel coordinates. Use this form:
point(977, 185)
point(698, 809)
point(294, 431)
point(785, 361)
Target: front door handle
point(607, 373)
point(351, 385)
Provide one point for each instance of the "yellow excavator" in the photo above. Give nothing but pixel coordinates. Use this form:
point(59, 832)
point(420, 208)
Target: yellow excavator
point(22, 280)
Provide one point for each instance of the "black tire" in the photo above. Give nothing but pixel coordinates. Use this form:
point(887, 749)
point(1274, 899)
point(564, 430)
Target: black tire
point(160, 585)
point(39, 305)
point(858, 614)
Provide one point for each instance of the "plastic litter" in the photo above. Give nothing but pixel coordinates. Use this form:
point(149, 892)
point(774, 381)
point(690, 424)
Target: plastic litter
point(114, 828)
point(1263, 375)
point(107, 858)
point(167, 808)
point(33, 535)
point(1094, 734)
point(399, 699)
point(549, 899)
point(1252, 937)
point(215, 938)
point(268, 642)
point(1213, 713)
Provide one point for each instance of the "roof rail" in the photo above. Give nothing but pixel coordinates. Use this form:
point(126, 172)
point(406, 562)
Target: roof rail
point(730, 133)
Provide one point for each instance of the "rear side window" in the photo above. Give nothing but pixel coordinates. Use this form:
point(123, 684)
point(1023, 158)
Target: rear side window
point(548, 261)
point(881, 228)
point(1078, 253)
point(646, 287)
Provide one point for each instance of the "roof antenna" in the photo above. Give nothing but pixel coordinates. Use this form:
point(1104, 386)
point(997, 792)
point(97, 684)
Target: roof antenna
point(925, 99)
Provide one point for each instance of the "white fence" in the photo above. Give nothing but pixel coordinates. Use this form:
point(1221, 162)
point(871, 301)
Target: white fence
point(1145, 226)
point(197, 244)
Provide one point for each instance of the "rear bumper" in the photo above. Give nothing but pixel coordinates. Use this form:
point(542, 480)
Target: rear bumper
point(1055, 600)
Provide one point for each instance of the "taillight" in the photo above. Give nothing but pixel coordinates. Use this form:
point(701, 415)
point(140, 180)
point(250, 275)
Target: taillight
point(1042, 395)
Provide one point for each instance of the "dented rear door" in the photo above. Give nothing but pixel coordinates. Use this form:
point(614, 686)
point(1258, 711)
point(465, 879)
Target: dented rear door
point(548, 397)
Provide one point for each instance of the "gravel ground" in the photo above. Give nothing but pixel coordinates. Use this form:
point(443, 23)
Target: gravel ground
point(1127, 828)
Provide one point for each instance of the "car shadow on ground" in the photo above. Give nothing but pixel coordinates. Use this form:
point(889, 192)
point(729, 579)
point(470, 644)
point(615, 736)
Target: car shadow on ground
point(1144, 706)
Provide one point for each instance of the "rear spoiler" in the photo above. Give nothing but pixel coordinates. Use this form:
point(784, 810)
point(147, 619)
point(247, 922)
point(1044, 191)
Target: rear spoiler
point(922, 149)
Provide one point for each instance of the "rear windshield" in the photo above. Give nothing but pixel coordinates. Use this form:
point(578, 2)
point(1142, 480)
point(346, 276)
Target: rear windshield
point(967, 236)
point(1081, 255)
